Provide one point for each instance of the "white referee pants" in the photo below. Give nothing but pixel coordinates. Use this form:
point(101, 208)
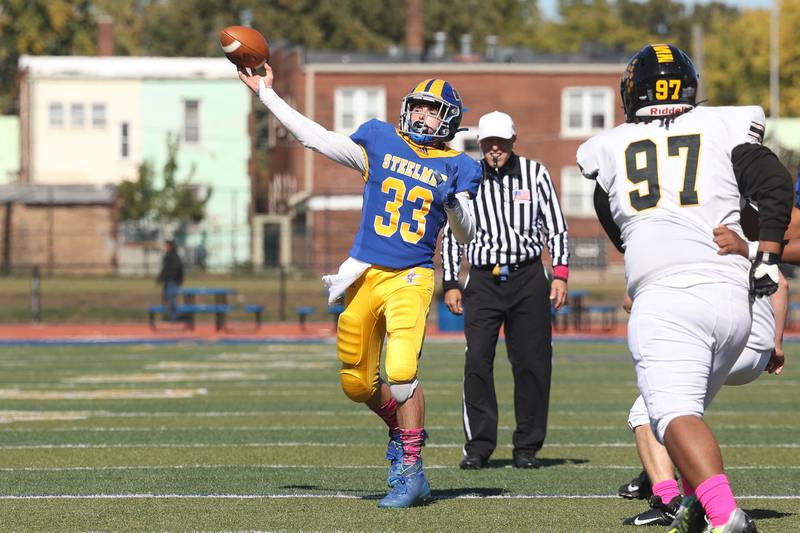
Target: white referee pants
point(684, 343)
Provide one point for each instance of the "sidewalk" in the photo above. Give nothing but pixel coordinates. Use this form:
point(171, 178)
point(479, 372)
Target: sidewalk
point(236, 332)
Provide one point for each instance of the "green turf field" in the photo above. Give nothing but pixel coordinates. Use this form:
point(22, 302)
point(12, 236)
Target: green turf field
point(244, 438)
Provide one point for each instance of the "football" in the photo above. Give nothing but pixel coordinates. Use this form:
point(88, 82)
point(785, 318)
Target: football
point(244, 46)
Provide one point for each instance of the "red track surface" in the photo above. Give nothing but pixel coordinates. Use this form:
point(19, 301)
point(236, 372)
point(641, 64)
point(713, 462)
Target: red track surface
point(205, 332)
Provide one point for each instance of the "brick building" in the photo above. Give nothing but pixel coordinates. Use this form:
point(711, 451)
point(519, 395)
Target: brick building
point(312, 205)
point(66, 228)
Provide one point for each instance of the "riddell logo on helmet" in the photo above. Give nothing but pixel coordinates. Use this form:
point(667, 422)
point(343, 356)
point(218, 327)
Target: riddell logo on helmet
point(663, 111)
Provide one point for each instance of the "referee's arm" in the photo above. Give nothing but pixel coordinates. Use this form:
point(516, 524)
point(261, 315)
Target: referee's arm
point(451, 260)
point(553, 223)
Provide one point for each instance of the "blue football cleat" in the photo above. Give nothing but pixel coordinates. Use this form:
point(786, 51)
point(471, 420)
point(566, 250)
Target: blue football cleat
point(410, 489)
point(394, 453)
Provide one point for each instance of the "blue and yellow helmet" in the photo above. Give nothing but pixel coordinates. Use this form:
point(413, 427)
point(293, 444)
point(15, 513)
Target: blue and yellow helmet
point(450, 110)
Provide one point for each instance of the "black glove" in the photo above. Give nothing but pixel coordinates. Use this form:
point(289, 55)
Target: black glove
point(764, 274)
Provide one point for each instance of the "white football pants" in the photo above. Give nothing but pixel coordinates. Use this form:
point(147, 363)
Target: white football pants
point(684, 343)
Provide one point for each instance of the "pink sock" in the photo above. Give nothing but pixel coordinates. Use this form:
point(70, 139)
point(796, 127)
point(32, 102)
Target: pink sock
point(667, 490)
point(388, 412)
point(688, 490)
point(717, 498)
point(413, 441)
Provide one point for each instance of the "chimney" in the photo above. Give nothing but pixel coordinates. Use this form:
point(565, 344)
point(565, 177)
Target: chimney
point(105, 36)
point(439, 45)
point(414, 28)
point(465, 54)
point(466, 44)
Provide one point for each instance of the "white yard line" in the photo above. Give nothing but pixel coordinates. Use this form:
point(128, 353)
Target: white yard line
point(357, 412)
point(331, 467)
point(125, 429)
point(346, 445)
point(270, 496)
point(112, 429)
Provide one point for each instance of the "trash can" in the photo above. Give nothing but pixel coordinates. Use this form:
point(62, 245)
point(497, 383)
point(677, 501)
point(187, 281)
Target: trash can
point(449, 321)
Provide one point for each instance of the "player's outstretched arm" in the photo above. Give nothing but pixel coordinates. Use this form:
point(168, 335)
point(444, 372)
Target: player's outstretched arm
point(335, 146)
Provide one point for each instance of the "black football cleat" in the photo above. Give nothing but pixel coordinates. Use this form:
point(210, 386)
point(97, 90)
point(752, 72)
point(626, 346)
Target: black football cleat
point(473, 462)
point(526, 460)
point(659, 513)
point(639, 488)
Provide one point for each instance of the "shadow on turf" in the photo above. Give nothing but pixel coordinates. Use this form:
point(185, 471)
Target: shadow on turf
point(765, 514)
point(505, 463)
point(448, 494)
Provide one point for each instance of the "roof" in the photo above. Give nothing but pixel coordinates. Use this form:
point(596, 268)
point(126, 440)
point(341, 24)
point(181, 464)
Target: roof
point(57, 194)
point(116, 67)
point(505, 55)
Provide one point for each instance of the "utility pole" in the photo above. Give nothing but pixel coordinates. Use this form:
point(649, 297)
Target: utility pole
point(698, 56)
point(774, 61)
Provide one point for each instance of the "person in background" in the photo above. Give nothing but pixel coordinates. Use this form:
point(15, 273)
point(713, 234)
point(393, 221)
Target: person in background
point(171, 279)
point(516, 215)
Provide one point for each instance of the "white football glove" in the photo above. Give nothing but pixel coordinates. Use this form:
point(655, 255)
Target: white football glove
point(764, 274)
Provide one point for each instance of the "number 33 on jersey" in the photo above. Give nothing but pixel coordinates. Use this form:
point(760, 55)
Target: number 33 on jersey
point(402, 212)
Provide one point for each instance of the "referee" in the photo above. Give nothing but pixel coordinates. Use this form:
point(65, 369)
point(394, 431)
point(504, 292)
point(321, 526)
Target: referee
point(516, 214)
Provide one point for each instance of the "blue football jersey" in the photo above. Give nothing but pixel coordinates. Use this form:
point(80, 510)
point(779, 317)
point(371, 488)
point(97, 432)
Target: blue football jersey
point(402, 211)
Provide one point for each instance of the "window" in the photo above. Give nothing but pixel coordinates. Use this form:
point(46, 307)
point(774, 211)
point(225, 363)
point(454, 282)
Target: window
point(56, 114)
point(99, 115)
point(125, 140)
point(586, 110)
point(467, 142)
point(76, 115)
point(577, 192)
point(191, 121)
point(355, 105)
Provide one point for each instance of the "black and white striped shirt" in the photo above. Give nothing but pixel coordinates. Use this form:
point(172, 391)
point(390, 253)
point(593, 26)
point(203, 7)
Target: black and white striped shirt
point(515, 210)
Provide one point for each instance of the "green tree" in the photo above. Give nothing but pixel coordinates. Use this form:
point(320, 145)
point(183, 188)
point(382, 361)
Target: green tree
point(40, 27)
point(587, 24)
point(176, 203)
point(515, 22)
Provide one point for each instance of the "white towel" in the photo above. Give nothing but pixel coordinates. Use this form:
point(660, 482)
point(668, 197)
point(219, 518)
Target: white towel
point(349, 271)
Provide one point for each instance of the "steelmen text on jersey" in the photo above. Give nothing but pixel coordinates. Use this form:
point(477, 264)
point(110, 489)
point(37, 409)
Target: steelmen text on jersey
point(401, 214)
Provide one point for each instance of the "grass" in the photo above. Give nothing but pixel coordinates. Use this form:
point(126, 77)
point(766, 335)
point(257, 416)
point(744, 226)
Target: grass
point(221, 438)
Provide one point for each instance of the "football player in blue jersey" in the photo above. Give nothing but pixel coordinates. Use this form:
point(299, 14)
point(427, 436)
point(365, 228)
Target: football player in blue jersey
point(414, 183)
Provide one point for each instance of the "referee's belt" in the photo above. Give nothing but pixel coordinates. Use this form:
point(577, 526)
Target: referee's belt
point(511, 268)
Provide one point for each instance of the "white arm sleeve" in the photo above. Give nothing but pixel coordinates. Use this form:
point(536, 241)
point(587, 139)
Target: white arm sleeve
point(460, 218)
point(335, 146)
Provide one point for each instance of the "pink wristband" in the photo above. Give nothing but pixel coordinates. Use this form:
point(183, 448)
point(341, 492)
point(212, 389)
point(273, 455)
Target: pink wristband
point(561, 272)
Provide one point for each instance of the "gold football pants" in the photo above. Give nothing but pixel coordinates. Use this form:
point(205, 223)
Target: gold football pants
point(389, 303)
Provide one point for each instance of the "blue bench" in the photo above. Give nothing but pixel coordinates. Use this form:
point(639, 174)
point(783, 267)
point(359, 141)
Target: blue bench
point(303, 313)
point(152, 311)
point(256, 310)
point(789, 318)
point(188, 312)
point(335, 311)
point(561, 317)
point(607, 315)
